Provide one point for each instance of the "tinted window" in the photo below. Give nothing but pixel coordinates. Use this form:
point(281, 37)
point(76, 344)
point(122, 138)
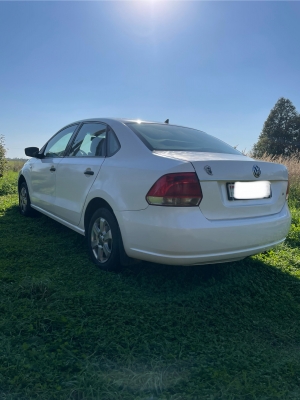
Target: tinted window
point(90, 141)
point(57, 145)
point(176, 138)
point(113, 144)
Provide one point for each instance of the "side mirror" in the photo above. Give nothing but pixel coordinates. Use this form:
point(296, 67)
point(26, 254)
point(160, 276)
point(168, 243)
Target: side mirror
point(32, 151)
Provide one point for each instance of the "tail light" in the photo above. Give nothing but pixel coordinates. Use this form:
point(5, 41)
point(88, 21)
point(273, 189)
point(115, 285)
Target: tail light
point(287, 190)
point(179, 189)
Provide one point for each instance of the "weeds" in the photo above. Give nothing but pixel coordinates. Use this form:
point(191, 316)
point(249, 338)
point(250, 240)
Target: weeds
point(15, 165)
point(293, 165)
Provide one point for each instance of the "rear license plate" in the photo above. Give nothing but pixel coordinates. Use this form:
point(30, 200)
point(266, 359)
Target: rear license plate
point(249, 190)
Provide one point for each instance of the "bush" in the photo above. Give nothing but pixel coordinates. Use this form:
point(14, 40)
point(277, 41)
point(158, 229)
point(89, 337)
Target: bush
point(3, 161)
point(9, 184)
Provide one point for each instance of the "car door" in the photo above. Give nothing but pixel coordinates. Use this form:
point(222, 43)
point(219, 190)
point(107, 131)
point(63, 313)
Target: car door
point(43, 171)
point(78, 170)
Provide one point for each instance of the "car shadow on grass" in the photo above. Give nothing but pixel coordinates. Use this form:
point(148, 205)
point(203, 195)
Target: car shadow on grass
point(41, 226)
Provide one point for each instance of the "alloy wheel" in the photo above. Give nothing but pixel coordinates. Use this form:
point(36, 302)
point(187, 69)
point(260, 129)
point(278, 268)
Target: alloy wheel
point(101, 240)
point(23, 199)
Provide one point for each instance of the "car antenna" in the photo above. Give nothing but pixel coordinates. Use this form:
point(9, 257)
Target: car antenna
point(167, 121)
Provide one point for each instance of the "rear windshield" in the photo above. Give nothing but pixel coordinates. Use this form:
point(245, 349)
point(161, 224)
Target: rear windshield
point(176, 138)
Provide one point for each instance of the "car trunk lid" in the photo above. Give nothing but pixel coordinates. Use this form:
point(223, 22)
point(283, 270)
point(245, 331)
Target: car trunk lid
point(216, 170)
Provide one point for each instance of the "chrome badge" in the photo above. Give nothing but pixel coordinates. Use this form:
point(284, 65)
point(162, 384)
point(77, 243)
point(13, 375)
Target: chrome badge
point(256, 171)
point(208, 170)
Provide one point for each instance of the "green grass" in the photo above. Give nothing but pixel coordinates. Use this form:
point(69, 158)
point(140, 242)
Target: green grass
point(71, 331)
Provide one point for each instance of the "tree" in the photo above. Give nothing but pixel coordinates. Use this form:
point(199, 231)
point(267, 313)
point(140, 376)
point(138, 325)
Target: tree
point(281, 131)
point(3, 161)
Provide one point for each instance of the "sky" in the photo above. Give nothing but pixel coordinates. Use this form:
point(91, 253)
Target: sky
point(215, 66)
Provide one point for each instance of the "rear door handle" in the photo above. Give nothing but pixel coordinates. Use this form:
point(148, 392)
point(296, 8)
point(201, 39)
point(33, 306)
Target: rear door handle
point(88, 172)
point(52, 169)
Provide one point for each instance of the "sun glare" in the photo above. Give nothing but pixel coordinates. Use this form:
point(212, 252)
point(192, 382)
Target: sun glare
point(143, 17)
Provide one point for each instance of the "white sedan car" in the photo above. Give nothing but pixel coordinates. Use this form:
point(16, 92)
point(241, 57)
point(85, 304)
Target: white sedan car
point(156, 192)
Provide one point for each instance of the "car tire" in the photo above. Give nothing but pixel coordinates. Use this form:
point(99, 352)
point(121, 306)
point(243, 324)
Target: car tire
point(103, 239)
point(24, 201)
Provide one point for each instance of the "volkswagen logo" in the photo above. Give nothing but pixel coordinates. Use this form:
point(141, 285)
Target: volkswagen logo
point(256, 171)
point(208, 170)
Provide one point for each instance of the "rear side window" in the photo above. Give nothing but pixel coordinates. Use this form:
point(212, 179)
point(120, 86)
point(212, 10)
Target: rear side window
point(113, 144)
point(175, 138)
point(90, 141)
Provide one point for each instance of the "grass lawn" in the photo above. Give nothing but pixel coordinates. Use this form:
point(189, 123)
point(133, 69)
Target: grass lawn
point(71, 331)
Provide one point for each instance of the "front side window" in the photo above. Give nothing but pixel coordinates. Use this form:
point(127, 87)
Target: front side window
point(176, 138)
point(57, 145)
point(90, 141)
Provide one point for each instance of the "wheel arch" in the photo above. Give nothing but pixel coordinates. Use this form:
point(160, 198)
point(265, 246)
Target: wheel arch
point(20, 181)
point(94, 205)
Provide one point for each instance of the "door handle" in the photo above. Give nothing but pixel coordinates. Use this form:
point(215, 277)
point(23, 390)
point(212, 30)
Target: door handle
point(88, 172)
point(52, 169)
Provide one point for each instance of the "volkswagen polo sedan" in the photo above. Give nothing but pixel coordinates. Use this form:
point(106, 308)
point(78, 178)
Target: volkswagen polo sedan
point(163, 193)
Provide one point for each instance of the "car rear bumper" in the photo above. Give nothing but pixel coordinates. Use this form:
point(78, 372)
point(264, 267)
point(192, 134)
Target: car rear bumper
point(183, 236)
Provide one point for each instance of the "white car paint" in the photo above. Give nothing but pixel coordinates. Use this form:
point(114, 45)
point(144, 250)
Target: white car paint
point(42, 182)
point(184, 236)
point(73, 186)
point(218, 230)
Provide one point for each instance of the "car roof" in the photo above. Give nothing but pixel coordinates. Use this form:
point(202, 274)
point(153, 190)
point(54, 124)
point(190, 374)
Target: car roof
point(124, 121)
